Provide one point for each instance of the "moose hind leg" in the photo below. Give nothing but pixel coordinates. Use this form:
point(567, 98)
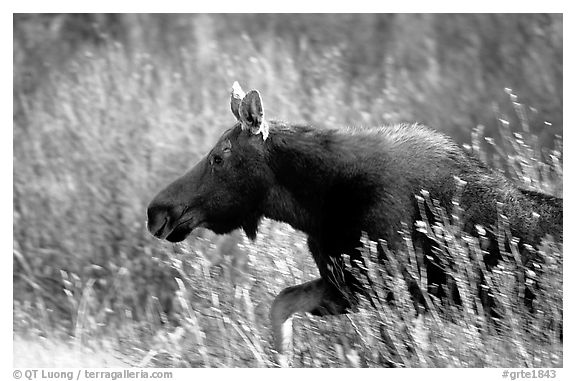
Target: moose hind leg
point(317, 297)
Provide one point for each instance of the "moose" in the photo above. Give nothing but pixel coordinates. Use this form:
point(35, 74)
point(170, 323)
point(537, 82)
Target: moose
point(336, 185)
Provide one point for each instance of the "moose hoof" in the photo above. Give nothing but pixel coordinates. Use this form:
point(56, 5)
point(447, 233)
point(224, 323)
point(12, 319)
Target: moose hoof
point(284, 360)
point(283, 342)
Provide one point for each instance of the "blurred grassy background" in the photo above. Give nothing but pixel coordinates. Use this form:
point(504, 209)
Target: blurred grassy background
point(109, 108)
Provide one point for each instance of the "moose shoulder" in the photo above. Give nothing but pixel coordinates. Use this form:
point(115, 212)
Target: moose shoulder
point(333, 185)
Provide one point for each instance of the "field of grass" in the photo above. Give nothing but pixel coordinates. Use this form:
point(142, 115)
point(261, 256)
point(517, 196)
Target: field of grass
point(109, 109)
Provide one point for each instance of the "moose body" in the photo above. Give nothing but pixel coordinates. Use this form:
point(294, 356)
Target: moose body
point(333, 185)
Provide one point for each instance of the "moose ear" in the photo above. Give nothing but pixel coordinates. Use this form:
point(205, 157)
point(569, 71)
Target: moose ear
point(236, 96)
point(251, 114)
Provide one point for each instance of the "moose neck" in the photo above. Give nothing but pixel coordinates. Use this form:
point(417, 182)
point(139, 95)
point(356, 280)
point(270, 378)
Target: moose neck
point(305, 169)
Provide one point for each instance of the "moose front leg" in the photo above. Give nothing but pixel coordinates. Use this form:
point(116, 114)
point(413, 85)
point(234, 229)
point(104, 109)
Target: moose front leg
point(318, 297)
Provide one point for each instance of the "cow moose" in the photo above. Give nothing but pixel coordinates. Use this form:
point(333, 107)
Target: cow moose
point(334, 185)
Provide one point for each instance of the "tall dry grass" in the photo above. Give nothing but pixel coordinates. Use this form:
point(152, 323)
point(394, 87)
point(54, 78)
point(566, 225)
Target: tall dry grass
point(102, 123)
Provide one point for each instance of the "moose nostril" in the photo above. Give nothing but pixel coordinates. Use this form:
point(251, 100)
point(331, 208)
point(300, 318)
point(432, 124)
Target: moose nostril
point(158, 232)
point(157, 221)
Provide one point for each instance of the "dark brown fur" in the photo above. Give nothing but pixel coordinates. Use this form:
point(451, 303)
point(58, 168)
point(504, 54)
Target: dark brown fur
point(333, 185)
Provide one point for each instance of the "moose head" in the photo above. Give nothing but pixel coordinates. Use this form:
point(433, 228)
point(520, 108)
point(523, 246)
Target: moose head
point(226, 189)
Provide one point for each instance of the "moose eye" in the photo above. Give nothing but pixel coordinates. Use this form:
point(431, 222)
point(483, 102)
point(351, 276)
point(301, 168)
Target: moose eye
point(217, 159)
